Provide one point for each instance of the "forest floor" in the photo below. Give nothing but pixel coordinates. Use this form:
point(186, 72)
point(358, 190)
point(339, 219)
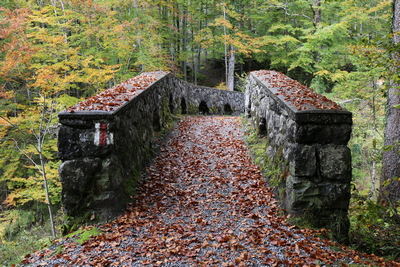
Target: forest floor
point(203, 203)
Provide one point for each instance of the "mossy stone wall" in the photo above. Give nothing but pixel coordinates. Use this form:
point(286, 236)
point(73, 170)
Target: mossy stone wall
point(307, 151)
point(103, 153)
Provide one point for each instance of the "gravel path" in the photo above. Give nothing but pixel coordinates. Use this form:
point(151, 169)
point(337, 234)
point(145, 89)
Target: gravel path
point(202, 203)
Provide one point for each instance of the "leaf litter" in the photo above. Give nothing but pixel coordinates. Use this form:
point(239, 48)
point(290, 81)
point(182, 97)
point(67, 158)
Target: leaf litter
point(203, 203)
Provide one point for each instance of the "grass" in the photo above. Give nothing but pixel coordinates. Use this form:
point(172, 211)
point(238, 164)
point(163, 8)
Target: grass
point(37, 237)
point(83, 234)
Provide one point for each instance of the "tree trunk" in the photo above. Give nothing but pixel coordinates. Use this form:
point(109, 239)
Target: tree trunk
point(390, 180)
point(46, 188)
point(231, 69)
point(374, 148)
point(198, 62)
point(184, 43)
point(226, 52)
point(317, 13)
point(41, 137)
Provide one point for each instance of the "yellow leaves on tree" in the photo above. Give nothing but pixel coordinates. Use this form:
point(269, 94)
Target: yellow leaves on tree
point(57, 65)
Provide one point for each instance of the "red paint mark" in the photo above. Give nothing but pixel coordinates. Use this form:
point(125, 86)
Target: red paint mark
point(103, 134)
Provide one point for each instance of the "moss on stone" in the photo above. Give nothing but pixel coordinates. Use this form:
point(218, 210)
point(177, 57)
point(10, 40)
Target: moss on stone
point(214, 110)
point(131, 183)
point(165, 111)
point(74, 223)
point(274, 169)
point(88, 234)
point(193, 109)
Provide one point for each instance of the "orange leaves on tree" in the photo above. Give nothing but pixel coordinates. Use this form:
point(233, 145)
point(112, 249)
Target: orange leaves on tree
point(17, 49)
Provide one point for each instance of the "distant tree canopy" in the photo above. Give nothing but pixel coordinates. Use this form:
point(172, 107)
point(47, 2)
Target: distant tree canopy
point(83, 46)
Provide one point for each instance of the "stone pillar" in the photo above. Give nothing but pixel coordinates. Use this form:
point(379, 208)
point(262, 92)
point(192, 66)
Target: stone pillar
point(90, 174)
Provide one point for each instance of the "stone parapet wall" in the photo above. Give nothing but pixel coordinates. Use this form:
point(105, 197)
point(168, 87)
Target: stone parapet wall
point(214, 101)
point(306, 143)
point(105, 141)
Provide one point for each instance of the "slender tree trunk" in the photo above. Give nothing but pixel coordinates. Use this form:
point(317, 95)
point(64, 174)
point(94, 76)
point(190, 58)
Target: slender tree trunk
point(41, 137)
point(46, 188)
point(317, 13)
point(231, 69)
point(226, 51)
point(64, 30)
point(198, 62)
point(3, 190)
point(390, 181)
point(184, 41)
point(178, 40)
point(374, 149)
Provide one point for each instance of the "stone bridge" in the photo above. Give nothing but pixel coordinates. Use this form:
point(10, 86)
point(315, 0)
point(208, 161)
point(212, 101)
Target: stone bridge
point(105, 140)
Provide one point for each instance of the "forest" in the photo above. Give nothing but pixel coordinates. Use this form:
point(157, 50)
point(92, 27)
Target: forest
point(54, 53)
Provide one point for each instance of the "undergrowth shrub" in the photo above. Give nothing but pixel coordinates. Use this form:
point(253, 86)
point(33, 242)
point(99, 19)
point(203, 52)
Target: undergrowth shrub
point(15, 247)
point(23, 231)
point(12, 222)
point(374, 228)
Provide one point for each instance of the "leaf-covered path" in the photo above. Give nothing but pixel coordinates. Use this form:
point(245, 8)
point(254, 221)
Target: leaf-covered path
point(202, 203)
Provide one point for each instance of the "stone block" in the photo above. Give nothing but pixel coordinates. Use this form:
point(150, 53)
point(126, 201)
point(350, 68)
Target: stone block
point(288, 151)
point(321, 133)
point(68, 143)
point(335, 162)
point(105, 198)
point(77, 175)
point(283, 120)
point(75, 142)
point(111, 176)
point(335, 195)
point(302, 194)
point(304, 162)
point(280, 139)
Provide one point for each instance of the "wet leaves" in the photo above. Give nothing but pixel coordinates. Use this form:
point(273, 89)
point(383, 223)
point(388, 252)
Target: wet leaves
point(203, 203)
point(294, 93)
point(115, 97)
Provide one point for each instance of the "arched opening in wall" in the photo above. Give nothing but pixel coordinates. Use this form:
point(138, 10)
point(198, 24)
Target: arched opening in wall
point(227, 109)
point(203, 108)
point(262, 127)
point(183, 106)
point(171, 104)
point(156, 121)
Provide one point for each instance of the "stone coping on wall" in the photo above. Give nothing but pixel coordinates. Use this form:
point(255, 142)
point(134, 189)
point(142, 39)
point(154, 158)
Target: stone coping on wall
point(118, 97)
point(299, 100)
point(124, 95)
